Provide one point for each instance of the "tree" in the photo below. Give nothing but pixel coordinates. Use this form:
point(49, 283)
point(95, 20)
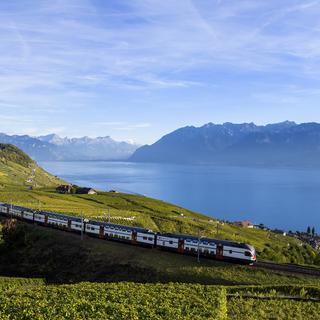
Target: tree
point(313, 231)
point(308, 230)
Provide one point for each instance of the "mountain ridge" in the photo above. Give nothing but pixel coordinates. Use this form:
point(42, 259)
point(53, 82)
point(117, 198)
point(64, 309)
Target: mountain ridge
point(281, 143)
point(52, 147)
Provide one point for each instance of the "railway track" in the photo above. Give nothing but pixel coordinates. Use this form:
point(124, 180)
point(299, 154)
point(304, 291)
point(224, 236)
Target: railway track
point(288, 268)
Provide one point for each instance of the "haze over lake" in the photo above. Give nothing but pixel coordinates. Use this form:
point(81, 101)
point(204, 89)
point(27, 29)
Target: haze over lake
point(285, 198)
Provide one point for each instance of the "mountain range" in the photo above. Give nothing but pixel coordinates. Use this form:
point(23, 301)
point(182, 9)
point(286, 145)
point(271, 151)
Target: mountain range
point(285, 143)
point(54, 148)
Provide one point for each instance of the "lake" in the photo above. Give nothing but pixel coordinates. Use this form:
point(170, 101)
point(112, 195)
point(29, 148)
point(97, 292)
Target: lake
point(278, 197)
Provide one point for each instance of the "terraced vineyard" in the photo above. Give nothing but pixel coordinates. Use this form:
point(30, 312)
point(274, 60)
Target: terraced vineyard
point(32, 299)
point(113, 301)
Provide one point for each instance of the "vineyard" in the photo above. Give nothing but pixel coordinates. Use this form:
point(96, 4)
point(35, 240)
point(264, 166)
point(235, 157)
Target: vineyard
point(112, 301)
point(31, 299)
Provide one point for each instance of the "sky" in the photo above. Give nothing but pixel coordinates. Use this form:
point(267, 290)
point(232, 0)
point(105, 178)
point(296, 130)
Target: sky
point(138, 69)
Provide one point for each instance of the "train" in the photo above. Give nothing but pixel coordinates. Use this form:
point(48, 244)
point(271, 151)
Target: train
point(222, 250)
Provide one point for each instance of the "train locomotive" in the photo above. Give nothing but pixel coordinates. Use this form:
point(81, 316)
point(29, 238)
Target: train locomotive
point(184, 244)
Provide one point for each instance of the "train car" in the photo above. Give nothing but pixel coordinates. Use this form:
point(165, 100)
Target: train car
point(16, 211)
point(214, 248)
point(76, 224)
point(56, 220)
point(119, 232)
point(3, 208)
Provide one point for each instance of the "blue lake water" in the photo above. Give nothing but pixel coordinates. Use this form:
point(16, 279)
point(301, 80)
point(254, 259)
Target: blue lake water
point(283, 198)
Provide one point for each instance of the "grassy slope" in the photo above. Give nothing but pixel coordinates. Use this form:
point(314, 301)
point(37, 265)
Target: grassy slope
point(161, 216)
point(68, 259)
point(16, 168)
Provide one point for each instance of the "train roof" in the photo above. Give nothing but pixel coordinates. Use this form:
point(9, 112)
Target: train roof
point(109, 224)
point(203, 239)
point(61, 216)
point(18, 207)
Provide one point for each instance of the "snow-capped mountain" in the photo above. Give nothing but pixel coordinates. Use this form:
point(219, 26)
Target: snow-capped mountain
point(53, 147)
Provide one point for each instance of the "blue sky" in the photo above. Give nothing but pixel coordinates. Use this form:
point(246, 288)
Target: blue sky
point(138, 69)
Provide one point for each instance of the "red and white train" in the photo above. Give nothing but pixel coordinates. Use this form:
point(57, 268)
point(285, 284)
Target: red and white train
point(184, 244)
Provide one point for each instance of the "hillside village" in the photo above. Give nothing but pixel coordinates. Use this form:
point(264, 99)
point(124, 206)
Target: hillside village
point(310, 236)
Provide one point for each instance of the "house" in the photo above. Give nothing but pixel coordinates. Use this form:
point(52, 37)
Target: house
point(280, 232)
point(86, 191)
point(243, 224)
point(64, 188)
point(261, 226)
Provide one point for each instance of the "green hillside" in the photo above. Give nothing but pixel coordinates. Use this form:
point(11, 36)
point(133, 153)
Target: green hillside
point(160, 216)
point(18, 169)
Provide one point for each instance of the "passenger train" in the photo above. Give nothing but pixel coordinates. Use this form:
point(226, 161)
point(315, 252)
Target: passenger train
point(183, 244)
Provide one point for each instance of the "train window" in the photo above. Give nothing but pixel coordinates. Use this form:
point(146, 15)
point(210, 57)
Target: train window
point(247, 253)
point(150, 239)
point(170, 242)
point(230, 251)
point(144, 238)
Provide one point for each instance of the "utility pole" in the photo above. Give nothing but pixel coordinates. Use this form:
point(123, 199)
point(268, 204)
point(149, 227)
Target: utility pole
point(198, 253)
point(81, 227)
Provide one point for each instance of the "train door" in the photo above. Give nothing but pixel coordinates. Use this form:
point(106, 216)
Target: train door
point(181, 245)
point(69, 224)
point(219, 254)
point(101, 232)
point(134, 237)
point(46, 219)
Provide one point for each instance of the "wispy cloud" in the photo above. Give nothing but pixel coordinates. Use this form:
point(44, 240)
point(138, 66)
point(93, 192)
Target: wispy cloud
point(57, 56)
point(151, 44)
